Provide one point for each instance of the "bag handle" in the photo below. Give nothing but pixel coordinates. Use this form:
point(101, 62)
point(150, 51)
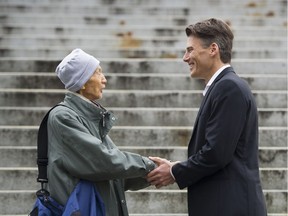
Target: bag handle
point(42, 149)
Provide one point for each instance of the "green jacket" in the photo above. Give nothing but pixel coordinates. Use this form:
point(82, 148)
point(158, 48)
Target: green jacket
point(79, 148)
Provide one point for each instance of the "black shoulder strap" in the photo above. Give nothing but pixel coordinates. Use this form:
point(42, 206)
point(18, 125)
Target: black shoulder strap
point(42, 149)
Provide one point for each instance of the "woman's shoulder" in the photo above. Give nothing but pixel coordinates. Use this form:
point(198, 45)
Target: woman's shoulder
point(62, 111)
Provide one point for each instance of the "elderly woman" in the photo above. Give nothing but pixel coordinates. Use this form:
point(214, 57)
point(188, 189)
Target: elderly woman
point(79, 147)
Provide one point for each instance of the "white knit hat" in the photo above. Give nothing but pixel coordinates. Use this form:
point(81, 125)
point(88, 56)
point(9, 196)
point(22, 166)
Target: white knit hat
point(76, 69)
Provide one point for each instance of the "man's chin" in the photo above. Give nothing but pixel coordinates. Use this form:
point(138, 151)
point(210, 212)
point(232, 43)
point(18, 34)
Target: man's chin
point(192, 74)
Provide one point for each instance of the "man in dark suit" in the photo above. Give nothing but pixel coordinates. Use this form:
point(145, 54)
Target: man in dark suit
point(222, 171)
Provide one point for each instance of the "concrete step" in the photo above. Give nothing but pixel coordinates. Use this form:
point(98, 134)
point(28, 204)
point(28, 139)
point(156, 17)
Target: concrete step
point(136, 81)
point(241, 8)
point(137, 20)
point(79, 31)
point(109, 42)
point(151, 66)
point(32, 172)
point(135, 49)
point(132, 98)
point(276, 201)
point(24, 178)
point(140, 116)
point(247, 3)
point(139, 202)
point(269, 157)
point(127, 3)
point(17, 136)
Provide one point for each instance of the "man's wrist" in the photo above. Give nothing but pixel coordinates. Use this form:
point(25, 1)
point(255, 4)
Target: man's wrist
point(171, 172)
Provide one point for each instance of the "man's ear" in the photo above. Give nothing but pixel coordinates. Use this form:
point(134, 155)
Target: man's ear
point(214, 49)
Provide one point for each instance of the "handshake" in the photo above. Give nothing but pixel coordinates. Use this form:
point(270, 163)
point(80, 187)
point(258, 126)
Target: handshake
point(162, 174)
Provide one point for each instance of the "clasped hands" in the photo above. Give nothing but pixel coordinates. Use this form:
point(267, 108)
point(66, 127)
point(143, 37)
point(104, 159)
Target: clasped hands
point(161, 175)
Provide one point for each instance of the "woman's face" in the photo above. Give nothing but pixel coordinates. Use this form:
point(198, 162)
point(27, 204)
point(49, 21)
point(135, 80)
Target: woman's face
point(93, 88)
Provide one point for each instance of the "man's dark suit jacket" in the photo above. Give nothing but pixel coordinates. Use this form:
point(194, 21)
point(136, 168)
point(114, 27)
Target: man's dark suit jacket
point(222, 173)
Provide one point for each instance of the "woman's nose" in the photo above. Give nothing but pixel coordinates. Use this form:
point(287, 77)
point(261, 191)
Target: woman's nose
point(104, 80)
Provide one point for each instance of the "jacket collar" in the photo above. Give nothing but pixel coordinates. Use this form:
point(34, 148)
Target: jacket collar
point(91, 111)
point(82, 106)
point(212, 79)
point(222, 74)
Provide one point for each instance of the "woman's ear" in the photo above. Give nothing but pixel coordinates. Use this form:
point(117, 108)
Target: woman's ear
point(80, 91)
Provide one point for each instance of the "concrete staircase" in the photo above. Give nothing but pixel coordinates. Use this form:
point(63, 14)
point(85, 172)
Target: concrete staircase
point(140, 44)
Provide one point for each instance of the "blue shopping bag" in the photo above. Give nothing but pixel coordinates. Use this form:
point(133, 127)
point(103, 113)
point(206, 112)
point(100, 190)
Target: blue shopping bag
point(45, 205)
point(83, 201)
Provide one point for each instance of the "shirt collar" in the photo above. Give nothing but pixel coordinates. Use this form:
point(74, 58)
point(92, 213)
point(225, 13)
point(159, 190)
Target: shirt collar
point(213, 78)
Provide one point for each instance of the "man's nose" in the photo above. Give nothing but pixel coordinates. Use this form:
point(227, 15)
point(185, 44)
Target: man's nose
point(186, 57)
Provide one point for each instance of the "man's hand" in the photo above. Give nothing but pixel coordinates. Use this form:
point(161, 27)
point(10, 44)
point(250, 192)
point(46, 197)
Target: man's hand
point(161, 175)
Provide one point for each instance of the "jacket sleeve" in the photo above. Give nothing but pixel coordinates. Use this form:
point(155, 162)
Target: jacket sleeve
point(87, 157)
point(135, 184)
point(222, 123)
